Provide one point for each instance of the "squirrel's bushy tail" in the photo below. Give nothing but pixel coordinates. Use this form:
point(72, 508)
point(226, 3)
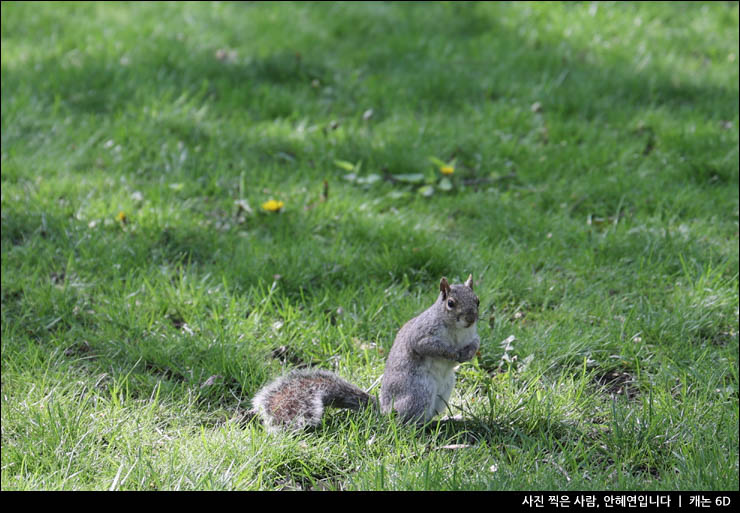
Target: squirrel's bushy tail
point(298, 399)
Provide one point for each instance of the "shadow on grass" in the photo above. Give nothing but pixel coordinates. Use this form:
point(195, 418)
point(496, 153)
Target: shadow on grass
point(465, 431)
point(100, 86)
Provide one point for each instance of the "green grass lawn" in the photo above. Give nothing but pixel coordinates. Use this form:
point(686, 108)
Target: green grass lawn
point(147, 295)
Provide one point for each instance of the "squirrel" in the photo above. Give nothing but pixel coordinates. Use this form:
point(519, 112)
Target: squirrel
point(419, 373)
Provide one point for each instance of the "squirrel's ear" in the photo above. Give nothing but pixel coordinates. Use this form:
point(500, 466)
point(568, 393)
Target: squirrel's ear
point(469, 282)
point(444, 287)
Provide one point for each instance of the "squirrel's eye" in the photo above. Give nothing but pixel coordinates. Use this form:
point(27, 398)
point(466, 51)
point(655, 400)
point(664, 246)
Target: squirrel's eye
point(451, 303)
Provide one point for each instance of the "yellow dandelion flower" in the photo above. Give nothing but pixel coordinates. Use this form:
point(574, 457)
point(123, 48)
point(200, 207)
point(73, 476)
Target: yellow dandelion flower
point(447, 170)
point(272, 205)
point(121, 217)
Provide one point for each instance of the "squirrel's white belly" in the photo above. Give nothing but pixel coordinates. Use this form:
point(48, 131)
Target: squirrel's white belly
point(442, 372)
point(442, 375)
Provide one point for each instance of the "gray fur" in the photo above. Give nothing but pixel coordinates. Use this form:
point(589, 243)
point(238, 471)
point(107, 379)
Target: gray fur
point(419, 373)
point(298, 399)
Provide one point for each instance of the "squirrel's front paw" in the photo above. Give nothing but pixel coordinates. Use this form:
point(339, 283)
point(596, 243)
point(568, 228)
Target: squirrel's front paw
point(468, 352)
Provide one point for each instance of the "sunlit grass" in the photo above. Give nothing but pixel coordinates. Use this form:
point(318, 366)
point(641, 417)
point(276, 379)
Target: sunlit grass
point(197, 197)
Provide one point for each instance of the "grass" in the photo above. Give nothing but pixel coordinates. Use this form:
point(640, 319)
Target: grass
point(146, 295)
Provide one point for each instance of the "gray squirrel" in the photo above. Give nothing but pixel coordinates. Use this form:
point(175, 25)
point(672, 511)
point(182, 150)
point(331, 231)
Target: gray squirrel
point(419, 373)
